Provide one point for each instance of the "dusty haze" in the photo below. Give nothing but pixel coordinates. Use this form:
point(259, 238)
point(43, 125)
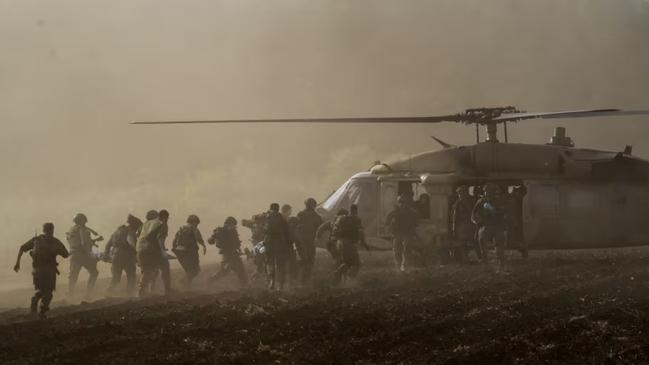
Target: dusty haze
point(74, 73)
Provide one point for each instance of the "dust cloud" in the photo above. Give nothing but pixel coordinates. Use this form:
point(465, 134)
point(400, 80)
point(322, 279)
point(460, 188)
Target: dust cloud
point(74, 73)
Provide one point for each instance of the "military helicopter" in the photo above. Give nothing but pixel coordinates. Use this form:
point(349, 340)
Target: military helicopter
point(576, 197)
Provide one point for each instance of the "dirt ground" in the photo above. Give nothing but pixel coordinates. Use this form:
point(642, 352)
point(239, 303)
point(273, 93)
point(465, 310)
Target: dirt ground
point(564, 307)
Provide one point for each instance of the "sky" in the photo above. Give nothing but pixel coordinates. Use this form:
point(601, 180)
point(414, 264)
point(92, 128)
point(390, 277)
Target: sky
point(74, 73)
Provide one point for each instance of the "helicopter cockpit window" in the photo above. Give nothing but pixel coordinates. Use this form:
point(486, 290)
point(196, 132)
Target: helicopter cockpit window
point(359, 192)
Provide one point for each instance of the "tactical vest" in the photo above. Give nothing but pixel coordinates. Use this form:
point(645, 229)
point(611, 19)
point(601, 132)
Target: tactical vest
point(43, 254)
point(346, 227)
point(186, 239)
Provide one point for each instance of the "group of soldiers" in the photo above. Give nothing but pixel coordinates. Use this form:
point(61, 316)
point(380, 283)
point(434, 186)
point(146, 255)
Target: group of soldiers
point(491, 220)
point(284, 246)
point(284, 252)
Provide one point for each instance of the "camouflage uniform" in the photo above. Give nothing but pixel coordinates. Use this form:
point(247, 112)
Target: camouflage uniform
point(227, 240)
point(489, 214)
point(348, 232)
point(308, 222)
point(277, 241)
point(165, 265)
point(463, 230)
point(402, 223)
point(185, 246)
point(121, 249)
point(149, 252)
point(44, 250)
point(81, 256)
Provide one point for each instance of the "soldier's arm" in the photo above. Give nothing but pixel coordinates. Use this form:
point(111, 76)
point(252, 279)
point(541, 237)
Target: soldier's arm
point(23, 248)
point(61, 250)
point(199, 238)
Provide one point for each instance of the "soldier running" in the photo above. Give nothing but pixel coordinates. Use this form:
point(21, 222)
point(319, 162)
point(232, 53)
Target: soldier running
point(148, 251)
point(291, 263)
point(348, 231)
point(185, 247)
point(80, 239)
point(276, 239)
point(308, 222)
point(226, 239)
point(120, 251)
point(44, 249)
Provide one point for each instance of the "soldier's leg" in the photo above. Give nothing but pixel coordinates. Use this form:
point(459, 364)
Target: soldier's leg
point(271, 267)
point(353, 261)
point(165, 273)
point(341, 268)
point(239, 269)
point(483, 237)
point(309, 261)
point(75, 269)
point(500, 242)
point(90, 264)
point(129, 270)
point(116, 274)
point(47, 286)
point(37, 295)
point(397, 247)
point(281, 261)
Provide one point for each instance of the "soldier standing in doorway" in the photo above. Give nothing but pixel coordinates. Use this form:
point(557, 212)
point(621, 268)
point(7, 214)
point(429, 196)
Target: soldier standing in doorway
point(489, 214)
point(463, 230)
point(402, 223)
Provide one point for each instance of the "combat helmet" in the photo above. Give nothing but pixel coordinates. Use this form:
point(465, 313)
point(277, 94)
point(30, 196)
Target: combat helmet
point(193, 219)
point(80, 218)
point(310, 203)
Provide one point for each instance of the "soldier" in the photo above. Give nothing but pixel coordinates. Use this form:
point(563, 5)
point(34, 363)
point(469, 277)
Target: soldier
point(291, 257)
point(185, 246)
point(308, 222)
point(514, 219)
point(257, 226)
point(348, 231)
point(331, 243)
point(165, 266)
point(462, 229)
point(402, 223)
point(489, 214)
point(276, 240)
point(227, 240)
point(80, 239)
point(120, 250)
point(44, 250)
point(149, 251)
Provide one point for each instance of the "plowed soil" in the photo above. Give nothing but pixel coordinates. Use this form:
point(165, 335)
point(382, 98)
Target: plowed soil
point(564, 307)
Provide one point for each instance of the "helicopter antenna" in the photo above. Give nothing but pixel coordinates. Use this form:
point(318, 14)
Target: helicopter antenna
point(487, 117)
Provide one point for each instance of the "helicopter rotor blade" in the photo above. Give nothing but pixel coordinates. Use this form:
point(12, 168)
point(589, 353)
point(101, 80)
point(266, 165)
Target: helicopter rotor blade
point(586, 113)
point(393, 120)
